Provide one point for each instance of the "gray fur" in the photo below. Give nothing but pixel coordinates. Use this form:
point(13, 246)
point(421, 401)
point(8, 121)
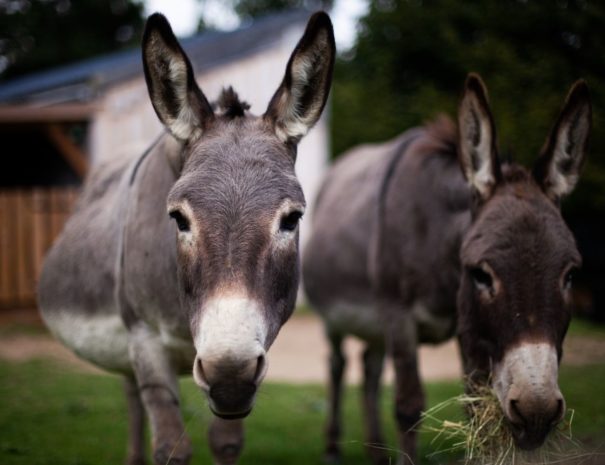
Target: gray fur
point(128, 290)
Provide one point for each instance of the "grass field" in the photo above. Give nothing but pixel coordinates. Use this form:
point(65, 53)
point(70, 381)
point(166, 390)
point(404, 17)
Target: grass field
point(50, 414)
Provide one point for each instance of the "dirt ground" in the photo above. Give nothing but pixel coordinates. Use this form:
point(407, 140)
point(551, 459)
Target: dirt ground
point(299, 355)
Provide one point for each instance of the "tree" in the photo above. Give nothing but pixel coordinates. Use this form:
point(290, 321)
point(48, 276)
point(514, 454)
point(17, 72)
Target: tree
point(411, 58)
point(38, 34)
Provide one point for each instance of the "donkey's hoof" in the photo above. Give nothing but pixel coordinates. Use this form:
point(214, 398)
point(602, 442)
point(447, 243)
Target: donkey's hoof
point(227, 454)
point(378, 456)
point(382, 460)
point(169, 455)
point(332, 456)
point(135, 461)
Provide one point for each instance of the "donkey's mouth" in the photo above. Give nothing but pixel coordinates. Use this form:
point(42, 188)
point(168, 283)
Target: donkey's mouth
point(231, 401)
point(529, 437)
point(231, 416)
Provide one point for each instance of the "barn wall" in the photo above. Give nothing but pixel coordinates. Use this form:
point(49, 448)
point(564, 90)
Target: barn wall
point(30, 220)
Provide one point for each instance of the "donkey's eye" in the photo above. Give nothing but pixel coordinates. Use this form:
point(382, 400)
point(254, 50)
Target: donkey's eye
point(290, 221)
point(483, 280)
point(568, 279)
point(182, 223)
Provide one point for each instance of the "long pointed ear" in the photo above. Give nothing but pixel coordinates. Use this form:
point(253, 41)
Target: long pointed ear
point(558, 168)
point(302, 95)
point(176, 98)
point(477, 150)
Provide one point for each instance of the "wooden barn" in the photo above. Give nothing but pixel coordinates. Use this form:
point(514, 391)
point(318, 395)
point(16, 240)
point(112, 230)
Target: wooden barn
point(55, 124)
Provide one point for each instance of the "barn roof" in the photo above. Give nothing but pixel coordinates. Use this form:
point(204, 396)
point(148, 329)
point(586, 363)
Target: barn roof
point(82, 82)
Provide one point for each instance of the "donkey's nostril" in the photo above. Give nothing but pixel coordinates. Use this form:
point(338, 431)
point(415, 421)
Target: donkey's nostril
point(560, 411)
point(207, 373)
point(517, 418)
point(199, 376)
point(261, 369)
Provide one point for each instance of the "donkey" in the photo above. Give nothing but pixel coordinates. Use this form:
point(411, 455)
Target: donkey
point(148, 296)
point(406, 247)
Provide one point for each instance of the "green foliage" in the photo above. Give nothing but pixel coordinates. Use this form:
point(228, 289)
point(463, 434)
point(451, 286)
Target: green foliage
point(411, 58)
point(39, 34)
point(50, 414)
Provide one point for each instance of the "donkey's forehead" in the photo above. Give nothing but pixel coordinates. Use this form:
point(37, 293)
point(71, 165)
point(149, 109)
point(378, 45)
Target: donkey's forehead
point(236, 137)
point(249, 180)
point(519, 224)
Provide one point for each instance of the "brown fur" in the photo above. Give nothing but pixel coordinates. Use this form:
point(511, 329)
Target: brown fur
point(404, 251)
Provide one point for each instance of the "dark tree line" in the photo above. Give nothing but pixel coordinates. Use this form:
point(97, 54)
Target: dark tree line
point(40, 34)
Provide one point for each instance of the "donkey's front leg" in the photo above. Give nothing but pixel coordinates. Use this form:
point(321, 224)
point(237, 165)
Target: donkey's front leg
point(136, 424)
point(402, 343)
point(226, 438)
point(158, 387)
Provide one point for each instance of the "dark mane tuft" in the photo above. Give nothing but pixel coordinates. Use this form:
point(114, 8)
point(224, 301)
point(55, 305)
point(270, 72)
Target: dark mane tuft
point(443, 129)
point(513, 173)
point(230, 105)
point(441, 136)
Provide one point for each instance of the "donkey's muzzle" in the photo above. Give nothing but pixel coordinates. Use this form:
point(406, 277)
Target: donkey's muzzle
point(231, 385)
point(526, 385)
point(231, 401)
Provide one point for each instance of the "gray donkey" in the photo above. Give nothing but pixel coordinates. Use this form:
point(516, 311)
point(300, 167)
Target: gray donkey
point(430, 232)
point(151, 297)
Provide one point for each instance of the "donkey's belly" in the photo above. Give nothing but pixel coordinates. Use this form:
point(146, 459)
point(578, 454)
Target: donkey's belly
point(433, 327)
point(359, 319)
point(101, 339)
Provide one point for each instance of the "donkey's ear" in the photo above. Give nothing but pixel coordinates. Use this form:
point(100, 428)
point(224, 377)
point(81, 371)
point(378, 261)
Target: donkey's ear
point(176, 98)
point(477, 139)
point(302, 95)
point(558, 168)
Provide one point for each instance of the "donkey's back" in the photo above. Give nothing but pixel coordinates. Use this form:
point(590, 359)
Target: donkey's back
point(345, 212)
point(355, 200)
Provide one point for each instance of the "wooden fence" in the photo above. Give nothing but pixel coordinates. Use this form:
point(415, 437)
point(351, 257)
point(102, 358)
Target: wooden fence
point(30, 220)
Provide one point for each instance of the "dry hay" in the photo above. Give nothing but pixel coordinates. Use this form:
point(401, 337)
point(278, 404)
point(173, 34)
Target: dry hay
point(485, 438)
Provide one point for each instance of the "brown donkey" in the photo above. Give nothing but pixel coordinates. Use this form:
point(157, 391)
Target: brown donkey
point(407, 246)
point(136, 292)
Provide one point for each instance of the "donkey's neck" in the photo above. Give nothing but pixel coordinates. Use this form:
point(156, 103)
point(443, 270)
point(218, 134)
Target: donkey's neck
point(147, 229)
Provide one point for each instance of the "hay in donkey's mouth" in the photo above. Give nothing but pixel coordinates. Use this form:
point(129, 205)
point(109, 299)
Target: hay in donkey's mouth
point(486, 438)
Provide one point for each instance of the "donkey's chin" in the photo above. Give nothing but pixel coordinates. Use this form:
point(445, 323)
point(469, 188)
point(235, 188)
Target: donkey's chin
point(529, 439)
point(231, 416)
point(232, 401)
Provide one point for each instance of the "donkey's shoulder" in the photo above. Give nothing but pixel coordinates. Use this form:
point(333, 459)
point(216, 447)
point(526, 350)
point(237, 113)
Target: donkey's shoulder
point(104, 178)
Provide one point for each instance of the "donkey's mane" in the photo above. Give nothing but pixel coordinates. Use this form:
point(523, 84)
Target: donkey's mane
point(229, 104)
point(512, 172)
point(442, 137)
point(443, 128)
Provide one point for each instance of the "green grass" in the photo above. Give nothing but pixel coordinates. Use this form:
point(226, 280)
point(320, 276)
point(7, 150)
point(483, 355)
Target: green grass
point(52, 415)
point(23, 328)
point(580, 327)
